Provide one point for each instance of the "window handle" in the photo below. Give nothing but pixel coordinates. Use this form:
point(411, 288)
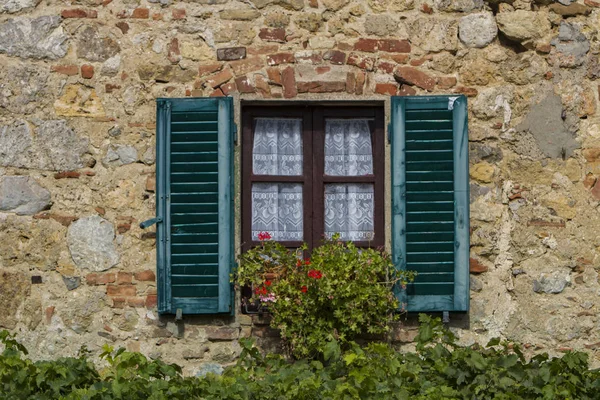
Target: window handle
point(150, 222)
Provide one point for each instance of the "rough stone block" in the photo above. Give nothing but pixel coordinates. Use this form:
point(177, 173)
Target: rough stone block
point(37, 38)
point(231, 53)
point(412, 76)
point(22, 195)
point(90, 242)
point(272, 34)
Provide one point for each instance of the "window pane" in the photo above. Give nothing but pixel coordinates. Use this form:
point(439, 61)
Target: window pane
point(277, 209)
point(348, 149)
point(349, 211)
point(277, 148)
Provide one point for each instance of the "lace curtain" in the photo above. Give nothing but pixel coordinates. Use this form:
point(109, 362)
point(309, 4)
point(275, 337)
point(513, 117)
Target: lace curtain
point(277, 209)
point(348, 150)
point(277, 147)
point(349, 211)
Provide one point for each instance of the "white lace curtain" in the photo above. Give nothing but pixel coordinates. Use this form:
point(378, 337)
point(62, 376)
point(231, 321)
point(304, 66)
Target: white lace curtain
point(277, 208)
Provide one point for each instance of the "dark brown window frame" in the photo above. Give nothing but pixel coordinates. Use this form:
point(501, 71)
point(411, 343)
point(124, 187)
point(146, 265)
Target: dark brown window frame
point(313, 117)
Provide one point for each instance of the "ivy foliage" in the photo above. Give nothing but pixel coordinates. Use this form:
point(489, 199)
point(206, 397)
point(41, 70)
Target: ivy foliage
point(439, 369)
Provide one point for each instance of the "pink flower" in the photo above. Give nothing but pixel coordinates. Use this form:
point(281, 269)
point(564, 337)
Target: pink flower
point(264, 236)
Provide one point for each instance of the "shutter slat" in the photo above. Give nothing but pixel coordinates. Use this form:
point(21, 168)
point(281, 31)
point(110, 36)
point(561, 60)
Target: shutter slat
point(191, 290)
point(438, 277)
point(194, 279)
point(195, 269)
point(194, 156)
point(426, 145)
point(430, 289)
point(430, 205)
point(195, 207)
point(194, 238)
point(194, 126)
point(193, 116)
point(184, 248)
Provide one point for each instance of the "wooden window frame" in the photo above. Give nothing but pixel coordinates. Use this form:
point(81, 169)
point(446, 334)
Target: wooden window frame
point(313, 177)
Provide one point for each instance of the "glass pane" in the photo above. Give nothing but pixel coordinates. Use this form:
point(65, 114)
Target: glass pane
point(349, 211)
point(277, 209)
point(277, 148)
point(348, 149)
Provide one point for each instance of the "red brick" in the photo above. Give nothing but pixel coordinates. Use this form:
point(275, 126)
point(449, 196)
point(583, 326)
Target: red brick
point(217, 93)
point(394, 46)
point(208, 69)
point(321, 87)
point(360, 82)
point(151, 300)
point(386, 88)
point(228, 88)
point(476, 267)
point(122, 228)
point(335, 57)
point(368, 45)
point(136, 302)
point(310, 57)
point(67, 174)
point(49, 314)
point(140, 13)
point(592, 154)
point(418, 61)
point(124, 278)
point(123, 26)
point(157, 17)
point(250, 64)
point(79, 13)
point(64, 220)
point(596, 190)
point(100, 210)
point(406, 90)
point(243, 85)
point(272, 34)
point(274, 75)
point(119, 302)
point(288, 80)
point(173, 53)
point(151, 184)
point(262, 86)
point(386, 67)
point(591, 3)
point(589, 181)
point(366, 63)
point(109, 87)
point(412, 76)
point(544, 48)
point(103, 279)
point(344, 46)
point(220, 78)
point(350, 82)
point(65, 69)
point(313, 3)
point(262, 50)
point(87, 71)
point(322, 70)
point(91, 279)
point(124, 290)
point(399, 58)
point(280, 58)
point(426, 8)
point(467, 91)
point(145, 276)
point(178, 13)
point(446, 82)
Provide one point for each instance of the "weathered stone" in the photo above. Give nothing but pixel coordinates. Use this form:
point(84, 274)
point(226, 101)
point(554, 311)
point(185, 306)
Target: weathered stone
point(22, 195)
point(432, 34)
point(52, 146)
point(72, 282)
point(555, 283)
point(197, 51)
point(90, 242)
point(13, 6)
point(476, 191)
point(277, 20)
point(239, 14)
point(571, 10)
point(312, 22)
point(15, 287)
point(523, 26)
point(477, 30)
point(571, 45)
point(38, 38)
point(545, 123)
point(334, 5)
point(412, 76)
point(79, 312)
point(209, 368)
point(380, 25)
point(79, 101)
point(120, 155)
point(94, 47)
point(111, 66)
point(475, 284)
point(483, 172)
point(459, 5)
point(401, 5)
point(231, 53)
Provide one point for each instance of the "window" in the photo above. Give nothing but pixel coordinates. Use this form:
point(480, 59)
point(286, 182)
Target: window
point(309, 172)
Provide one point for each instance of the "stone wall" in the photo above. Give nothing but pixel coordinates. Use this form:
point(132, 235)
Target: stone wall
point(77, 120)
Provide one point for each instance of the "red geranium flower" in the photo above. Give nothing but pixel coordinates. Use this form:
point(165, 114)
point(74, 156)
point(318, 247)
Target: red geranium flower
point(299, 263)
point(307, 262)
point(268, 283)
point(314, 273)
point(304, 289)
point(264, 236)
point(261, 290)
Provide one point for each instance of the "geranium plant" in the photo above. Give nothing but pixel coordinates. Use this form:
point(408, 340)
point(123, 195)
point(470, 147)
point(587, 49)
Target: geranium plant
point(340, 292)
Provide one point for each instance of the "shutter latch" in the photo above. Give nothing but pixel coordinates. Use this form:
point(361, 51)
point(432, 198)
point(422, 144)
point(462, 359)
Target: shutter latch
point(150, 222)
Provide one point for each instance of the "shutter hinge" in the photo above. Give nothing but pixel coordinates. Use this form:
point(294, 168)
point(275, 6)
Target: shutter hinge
point(389, 133)
point(179, 314)
point(150, 222)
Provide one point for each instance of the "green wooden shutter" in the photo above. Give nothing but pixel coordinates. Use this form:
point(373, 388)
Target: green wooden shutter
point(195, 203)
point(430, 200)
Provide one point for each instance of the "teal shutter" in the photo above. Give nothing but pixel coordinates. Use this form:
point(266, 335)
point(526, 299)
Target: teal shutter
point(430, 200)
point(194, 174)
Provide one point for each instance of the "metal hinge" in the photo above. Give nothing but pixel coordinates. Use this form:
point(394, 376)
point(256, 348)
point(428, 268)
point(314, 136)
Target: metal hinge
point(150, 222)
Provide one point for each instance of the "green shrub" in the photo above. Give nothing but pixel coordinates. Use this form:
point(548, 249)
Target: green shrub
point(341, 292)
point(439, 369)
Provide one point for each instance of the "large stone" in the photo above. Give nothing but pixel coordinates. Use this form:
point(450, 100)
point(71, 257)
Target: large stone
point(247, 14)
point(38, 38)
point(25, 88)
point(334, 5)
point(571, 45)
point(380, 25)
point(90, 242)
point(477, 30)
point(120, 155)
point(545, 123)
point(197, 51)
point(523, 26)
point(22, 195)
point(79, 101)
point(432, 34)
point(14, 288)
point(94, 47)
point(51, 146)
point(459, 5)
point(80, 312)
point(554, 283)
point(13, 6)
